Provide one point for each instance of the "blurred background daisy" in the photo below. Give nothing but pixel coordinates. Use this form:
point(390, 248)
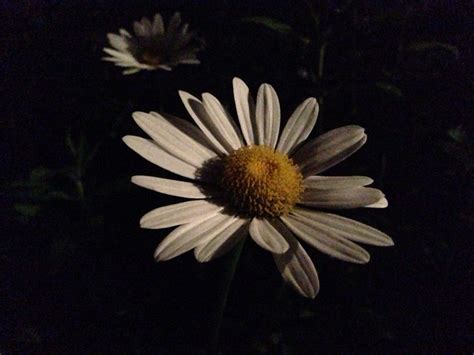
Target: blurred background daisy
point(79, 273)
point(153, 46)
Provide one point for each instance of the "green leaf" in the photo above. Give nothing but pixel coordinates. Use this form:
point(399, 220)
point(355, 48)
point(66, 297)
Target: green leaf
point(70, 144)
point(433, 45)
point(27, 210)
point(389, 88)
point(457, 134)
point(58, 195)
point(271, 23)
point(82, 147)
point(40, 173)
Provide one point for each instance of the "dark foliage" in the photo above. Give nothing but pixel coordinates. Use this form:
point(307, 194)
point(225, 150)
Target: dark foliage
point(77, 273)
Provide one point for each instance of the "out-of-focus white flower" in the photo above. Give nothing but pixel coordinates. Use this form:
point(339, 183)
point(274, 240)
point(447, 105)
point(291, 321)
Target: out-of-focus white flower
point(153, 47)
point(256, 181)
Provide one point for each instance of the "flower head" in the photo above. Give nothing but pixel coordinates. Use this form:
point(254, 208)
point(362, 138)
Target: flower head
point(152, 47)
point(256, 181)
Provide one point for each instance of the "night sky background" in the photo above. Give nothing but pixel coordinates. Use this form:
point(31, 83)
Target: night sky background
point(77, 274)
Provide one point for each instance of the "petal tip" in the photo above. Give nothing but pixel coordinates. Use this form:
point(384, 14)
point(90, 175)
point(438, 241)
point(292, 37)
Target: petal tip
point(236, 80)
point(144, 223)
point(158, 257)
point(160, 254)
point(389, 242)
point(185, 96)
point(201, 259)
point(382, 203)
point(284, 248)
point(313, 101)
point(139, 115)
point(127, 139)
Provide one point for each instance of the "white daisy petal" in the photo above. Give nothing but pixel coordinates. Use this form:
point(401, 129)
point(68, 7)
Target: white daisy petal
point(299, 125)
point(189, 61)
point(132, 65)
point(185, 29)
point(326, 240)
point(382, 203)
point(297, 268)
point(122, 62)
point(111, 59)
point(126, 59)
point(336, 182)
point(346, 227)
point(187, 128)
point(206, 123)
point(173, 27)
point(267, 236)
point(182, 38)
point(165, 67)
point(174, 22)
point(140, 29)
point(267, 116)
point(170, 187)
point(125, 65)
point(143, 28)
point(341, 198)
point(125, 33)
point(329, 149)
point(223, 242)
point(245, 107)
point(226, 124)
point(189, 236)
point(179, 213)
point(172, 139)
point(119, 55)
point(158, 27)
point(146, 23)
point(130, 71)
point(154, 154)
point(118, 42)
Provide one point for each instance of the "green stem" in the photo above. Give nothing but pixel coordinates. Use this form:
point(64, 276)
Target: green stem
point(322, 57)
point(80, 188)
point(224, 293)
point(80, 192)
point(322, 54)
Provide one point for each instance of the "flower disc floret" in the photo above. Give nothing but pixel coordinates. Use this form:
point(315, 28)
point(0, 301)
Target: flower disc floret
point(261, 182)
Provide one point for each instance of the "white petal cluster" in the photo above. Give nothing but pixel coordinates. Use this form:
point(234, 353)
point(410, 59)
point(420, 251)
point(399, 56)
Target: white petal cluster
point(152, 46)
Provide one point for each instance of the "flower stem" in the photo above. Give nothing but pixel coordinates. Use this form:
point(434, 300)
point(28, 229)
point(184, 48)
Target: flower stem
point(224, 293)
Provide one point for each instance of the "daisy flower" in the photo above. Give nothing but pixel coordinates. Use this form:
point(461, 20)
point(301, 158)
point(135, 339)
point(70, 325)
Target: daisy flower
point(256, 181)
point(152, 47)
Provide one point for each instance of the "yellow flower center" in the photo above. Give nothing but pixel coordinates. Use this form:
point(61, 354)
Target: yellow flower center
point(261, 182)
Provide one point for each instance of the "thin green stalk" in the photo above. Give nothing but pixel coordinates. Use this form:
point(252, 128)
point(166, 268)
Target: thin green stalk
point(322, 54)
point(80, 189)
point(224, 293)
point(322, 57)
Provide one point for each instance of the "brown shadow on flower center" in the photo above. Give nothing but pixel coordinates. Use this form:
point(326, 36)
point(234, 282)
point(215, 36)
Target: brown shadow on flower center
point(210, 178)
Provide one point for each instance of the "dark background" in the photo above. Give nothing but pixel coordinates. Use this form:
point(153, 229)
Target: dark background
point(77, 273)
